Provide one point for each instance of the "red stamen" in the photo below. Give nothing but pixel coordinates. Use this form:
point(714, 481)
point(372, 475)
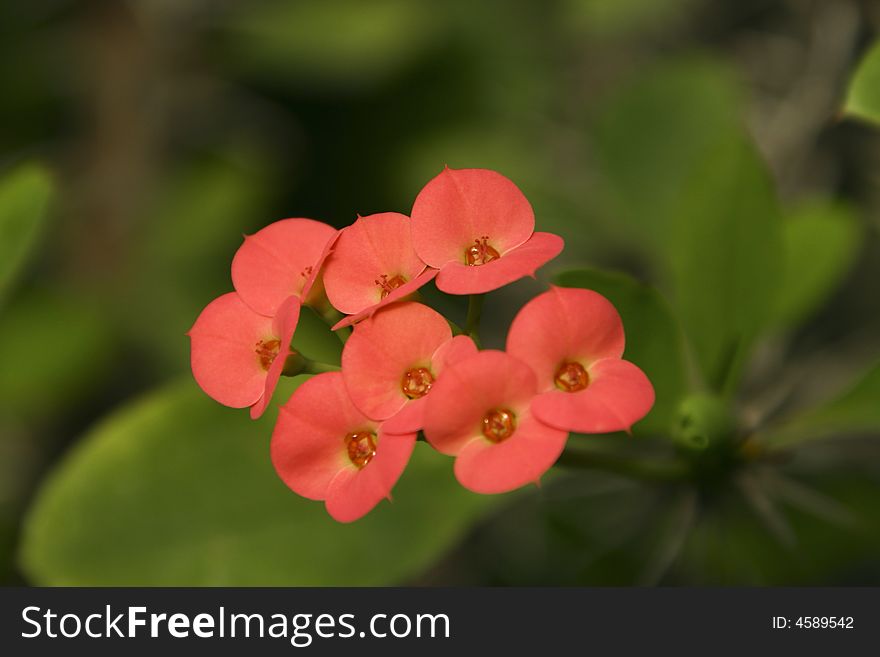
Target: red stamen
point(499, 425)
point(361, 447)
point(479, 253)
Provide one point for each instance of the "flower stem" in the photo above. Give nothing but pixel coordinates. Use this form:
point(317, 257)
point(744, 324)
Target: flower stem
point(296, 363)
point(330, 316)
point(314, 367)
point(636, 469)
point(474, 313)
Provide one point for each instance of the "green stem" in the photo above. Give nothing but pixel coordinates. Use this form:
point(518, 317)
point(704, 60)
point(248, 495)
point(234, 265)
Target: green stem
point(474, 313)
point(331, 316)
point(296, 363)
point(635, 469)
point(314, 367)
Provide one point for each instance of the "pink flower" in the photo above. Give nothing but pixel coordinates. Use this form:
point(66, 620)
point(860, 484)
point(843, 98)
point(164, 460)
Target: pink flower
point(373, 264)
point(477, 228)
point(392, 360)
point(281, 260)
point(480, 411)
point(573, 340)
point(324, 448)
point(237, 355)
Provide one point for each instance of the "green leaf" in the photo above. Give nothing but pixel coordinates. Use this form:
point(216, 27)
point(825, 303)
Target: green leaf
point(591, 529)
point(55, 348)
point(622, 18)
point(683, 184)
point(653, 338)
point(181, 261)
point(863, 95)
point(315, 340)
point(176, 490)
point(831, 524)
point(653, 134)
point(725, 258)
point(820, 241)
point(24, 198)
point(337, 43)
point(856, 411)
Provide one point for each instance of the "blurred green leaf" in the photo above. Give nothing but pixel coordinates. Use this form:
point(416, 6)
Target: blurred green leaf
point(653, 134)
point(855, 411)
point(340, 43)
point(591, 529)
point(820, 241)
point(54, 346)
point(725, 257)
point(176, 490)
point(315, 340)
point(24, 197)
point(694, 195)
point(617, 18)
point(833, 526)
point(182, 259)
point(863, 95)
point(653, 338)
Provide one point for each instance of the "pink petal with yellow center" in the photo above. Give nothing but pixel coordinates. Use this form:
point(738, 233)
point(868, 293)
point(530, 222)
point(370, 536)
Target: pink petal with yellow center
point(411, 417)
point(489, 468)
point(284, 324)
point(470, 388)
point(376, 246)
point(523, 260)
point(618, 395)
point(383, 348)
point(280, 260)
point(224, 361)
point(355, 492)
point(565, 325)
point(308, 444)
point(460, 206)
point(396, 295)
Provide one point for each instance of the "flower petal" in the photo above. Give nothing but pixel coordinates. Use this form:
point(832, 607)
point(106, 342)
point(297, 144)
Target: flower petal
point(396, 295)
point(469, 389)
point(619, 395)
point(412, 416)
point(355, 492)
point(462, 205)
point(489, 468)
point(284, 322)
point(308, 444)
point(456, 349)
point(223, 357)
point(523, 260)
point(565, 324)
point(373, 246)
point(280, 260)
point(383, 348)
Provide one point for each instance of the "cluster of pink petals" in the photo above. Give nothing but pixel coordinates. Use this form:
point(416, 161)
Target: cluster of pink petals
point(505, 416)
point(324, 448)
point(241, 340)
point(345, 437)
point(478, 229)
point(472, 229)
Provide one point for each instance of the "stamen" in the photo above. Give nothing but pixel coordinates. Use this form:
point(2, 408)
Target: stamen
point(389, 285)
point(571, 377)
point(361, 447)
point(479, 253)
point(499, 425)
point(267, 351)
point(417, 382)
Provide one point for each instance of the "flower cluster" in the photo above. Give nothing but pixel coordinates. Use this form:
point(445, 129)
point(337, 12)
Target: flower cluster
point(345, 436)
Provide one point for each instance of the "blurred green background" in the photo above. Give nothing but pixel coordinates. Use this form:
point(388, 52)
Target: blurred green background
point(712, 165)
